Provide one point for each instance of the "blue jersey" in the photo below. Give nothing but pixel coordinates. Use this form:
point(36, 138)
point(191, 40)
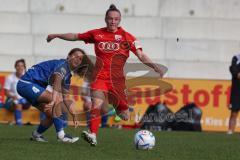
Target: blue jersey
point(42, 73)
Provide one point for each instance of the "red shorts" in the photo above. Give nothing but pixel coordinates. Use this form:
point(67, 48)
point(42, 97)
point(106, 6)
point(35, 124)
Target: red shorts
point(115, 90)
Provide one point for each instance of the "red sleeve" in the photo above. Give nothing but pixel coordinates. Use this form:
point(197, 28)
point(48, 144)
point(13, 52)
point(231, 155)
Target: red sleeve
point(87, 37)
point(134, 43)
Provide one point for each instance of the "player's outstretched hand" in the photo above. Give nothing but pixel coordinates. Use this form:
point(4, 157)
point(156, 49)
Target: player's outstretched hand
point(51, 37)
point(160, 71)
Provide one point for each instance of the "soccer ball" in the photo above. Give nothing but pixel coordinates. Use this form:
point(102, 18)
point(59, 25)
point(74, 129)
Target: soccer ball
point(144, 140)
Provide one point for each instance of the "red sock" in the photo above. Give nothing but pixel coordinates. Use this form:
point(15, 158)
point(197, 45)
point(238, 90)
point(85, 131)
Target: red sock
point(95, 120)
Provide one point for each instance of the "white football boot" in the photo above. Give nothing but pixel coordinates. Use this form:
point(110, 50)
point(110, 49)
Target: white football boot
point(38, 137)
point(68, 139)
point(90, 138)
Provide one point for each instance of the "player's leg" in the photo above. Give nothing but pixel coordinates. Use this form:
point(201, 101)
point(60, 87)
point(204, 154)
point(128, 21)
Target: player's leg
point(105, 114)
point(119, 100)
point(232, 122)
point(56, 112)
point(43, 126)
point(98, 98)
point(18, 114)
point(86, 98)
point(40, 98)
point(121, 106)
point(87, 104)
point(16, 108)
point(33, 93)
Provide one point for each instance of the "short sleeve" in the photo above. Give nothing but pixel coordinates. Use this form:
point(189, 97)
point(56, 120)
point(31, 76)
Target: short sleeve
point(87, 37)
point(62, 69)
point(8, 82)
point(134, 43)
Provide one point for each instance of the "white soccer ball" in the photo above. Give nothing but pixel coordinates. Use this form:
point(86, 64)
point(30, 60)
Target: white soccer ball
point(144, 140)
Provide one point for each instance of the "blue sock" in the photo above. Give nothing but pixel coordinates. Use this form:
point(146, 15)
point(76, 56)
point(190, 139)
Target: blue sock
point(104, 120)
point(18, 117)
point(42, 116)
point(58, 123)
point(64, 118)
point(41, 129)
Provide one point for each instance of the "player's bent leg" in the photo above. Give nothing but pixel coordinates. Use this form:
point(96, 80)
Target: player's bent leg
point(18, 114)
point(232, 122)
point(122, 109)
point(98, 99)
point(38, 97)
point(44, 125)
point(59, 123)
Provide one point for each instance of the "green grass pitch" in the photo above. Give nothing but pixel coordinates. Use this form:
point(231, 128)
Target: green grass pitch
point(115, 144)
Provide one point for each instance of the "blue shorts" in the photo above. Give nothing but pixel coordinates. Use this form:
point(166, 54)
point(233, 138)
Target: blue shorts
point(29, 90)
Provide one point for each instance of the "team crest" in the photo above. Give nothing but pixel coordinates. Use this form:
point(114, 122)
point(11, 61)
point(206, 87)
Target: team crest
point(118, 37)
point(63, 71)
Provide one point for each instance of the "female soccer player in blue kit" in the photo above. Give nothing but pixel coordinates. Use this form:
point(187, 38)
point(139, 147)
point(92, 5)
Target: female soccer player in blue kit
point(34, 86)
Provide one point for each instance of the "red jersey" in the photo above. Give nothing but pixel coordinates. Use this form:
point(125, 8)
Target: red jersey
point(112, 51)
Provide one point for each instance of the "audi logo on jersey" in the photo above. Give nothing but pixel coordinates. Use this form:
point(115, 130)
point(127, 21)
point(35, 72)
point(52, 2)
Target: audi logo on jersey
point(108, 46)
point(114, 46)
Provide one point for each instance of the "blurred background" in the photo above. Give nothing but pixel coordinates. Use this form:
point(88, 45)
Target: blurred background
point(208, 31)
point(194, 39)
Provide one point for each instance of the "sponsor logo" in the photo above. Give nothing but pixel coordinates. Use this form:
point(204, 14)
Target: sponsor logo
point(100, 35)
point(108, 46)
point(63, 71)
point(113, 46)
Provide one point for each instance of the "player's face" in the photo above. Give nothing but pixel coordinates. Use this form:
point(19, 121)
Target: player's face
point(75, 60)
point(112, 20)
point(20, 68)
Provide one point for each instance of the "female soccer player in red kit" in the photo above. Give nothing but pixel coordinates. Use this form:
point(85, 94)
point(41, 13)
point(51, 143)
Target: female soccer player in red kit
point(112, 45)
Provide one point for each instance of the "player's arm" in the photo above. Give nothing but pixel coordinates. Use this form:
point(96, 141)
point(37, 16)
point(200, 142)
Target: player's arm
point(70, 107)
point(65, 36)
point(147, 61)
point(69, 104)
point(57, 89)
point(7, 86)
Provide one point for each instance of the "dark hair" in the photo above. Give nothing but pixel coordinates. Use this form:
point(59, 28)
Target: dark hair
point(20, 61)
point(86, 67)
point(112, 7)
point(76, 50)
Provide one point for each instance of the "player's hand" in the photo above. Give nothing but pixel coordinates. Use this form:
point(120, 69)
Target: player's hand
point(57, 98)
point(158, 70)
point(76, 123)
point(51, 37)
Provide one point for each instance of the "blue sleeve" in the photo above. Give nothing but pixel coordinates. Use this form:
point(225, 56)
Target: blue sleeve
point(62, 69)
